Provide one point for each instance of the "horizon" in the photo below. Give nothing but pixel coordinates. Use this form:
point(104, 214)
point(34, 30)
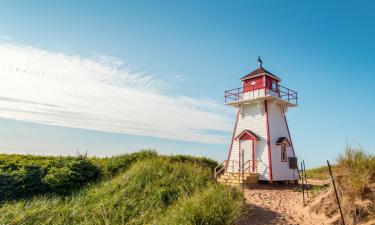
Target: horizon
point(116, 77)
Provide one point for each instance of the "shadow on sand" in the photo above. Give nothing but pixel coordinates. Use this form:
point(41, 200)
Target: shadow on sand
point(255, 215)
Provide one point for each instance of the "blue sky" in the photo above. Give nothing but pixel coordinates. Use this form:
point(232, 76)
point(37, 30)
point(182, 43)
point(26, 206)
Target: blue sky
point(111, 77)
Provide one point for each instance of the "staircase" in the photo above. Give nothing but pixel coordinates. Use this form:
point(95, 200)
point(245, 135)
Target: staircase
point(224, 174)
point(235, 179)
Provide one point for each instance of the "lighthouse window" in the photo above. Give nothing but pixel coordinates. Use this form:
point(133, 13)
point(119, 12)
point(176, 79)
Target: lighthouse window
point(283, 153)
point(274, 85)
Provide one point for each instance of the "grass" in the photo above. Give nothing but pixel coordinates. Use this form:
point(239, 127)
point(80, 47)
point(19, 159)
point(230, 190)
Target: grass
point(136, 189)
point(354, 173)
point(320, 173)
point(355, 176)
point(358, 170)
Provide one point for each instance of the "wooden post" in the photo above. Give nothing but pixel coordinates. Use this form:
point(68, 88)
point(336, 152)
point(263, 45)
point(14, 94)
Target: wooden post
point(337, 196)
point(305, 176)
point(243, 171)
point(302, 185)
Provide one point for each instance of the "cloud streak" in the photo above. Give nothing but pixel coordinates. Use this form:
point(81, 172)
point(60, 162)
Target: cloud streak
point(97, 93)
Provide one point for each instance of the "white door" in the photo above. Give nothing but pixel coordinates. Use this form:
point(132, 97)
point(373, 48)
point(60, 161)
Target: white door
point(246, 148)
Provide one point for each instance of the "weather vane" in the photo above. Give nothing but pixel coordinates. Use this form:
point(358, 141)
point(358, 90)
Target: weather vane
point(260, 61)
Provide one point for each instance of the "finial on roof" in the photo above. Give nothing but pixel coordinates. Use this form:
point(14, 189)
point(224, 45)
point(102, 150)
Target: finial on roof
point(260, 61)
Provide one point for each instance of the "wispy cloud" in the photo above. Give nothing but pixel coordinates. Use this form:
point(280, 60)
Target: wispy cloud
point(5, 38)
point(98, 93)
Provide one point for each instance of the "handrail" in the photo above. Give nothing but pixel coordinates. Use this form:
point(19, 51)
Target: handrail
point(219, 166)
point(283, 92)
point(224, 166)
point(248, 165)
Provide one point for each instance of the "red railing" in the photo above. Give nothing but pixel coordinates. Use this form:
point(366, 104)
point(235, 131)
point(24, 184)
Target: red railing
point(255, 91)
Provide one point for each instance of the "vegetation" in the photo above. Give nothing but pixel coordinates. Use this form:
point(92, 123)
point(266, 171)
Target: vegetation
point(320, 173)
point(356, 179)
point(25, 176)
point(139, 188)
point(358, 168)
point(354, 174)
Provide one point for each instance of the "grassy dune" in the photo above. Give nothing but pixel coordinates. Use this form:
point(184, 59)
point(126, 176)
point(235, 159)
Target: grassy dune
point(354, 173)
point(141, 188)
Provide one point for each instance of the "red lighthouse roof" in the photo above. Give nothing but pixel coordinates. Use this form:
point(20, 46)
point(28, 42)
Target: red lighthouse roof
point(259, 72)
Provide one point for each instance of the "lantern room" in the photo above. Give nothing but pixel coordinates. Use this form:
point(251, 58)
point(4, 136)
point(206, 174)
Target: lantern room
point(260, 85)
point(260, 79)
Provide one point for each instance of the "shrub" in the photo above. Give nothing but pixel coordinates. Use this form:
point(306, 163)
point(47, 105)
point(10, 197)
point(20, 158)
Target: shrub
point(24, 182)
point(25, 176)
point(70, 176)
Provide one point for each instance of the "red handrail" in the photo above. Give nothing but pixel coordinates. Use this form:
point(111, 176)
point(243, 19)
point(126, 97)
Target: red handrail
point(284, 93)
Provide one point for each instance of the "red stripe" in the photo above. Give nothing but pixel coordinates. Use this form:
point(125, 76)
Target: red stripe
point(268, 142)
point(290, 138)
point(233, 135)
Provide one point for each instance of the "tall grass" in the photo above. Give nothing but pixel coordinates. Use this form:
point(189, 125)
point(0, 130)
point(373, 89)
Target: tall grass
point(358, 169)
point(356, 174)
point(206, 208)
point(154, 190)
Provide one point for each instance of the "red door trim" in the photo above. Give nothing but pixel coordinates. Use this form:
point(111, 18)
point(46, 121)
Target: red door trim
point(233, 135)
point(268, 141)
point(252, 152)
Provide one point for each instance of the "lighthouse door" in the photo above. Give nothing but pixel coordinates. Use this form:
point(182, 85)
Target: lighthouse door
point(247, 148)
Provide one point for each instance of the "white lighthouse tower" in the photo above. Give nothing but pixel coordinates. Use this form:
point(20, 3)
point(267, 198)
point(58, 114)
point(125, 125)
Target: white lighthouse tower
point(261, 144)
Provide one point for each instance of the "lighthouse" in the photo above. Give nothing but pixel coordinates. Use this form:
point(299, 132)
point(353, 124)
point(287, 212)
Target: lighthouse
point(261, 147)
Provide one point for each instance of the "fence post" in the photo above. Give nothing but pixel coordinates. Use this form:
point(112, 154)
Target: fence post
point(243, 171)
point(302, 185)
point(305, 176)
point(337, 196)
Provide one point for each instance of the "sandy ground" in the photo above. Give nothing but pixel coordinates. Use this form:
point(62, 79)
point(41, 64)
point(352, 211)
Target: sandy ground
point(272, 204)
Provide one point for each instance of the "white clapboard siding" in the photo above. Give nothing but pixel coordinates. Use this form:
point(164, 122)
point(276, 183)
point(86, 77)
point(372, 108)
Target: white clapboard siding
point(278, 128)
point(252, 117)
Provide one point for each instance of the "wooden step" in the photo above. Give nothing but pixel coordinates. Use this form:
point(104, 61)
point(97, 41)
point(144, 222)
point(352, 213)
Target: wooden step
point(248, 179)
point(236, 175)
point(240, 175)
point(236, 179)
point(250, 184)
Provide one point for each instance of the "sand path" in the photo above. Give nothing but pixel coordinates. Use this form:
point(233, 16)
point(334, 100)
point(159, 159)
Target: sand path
point(277, 205)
